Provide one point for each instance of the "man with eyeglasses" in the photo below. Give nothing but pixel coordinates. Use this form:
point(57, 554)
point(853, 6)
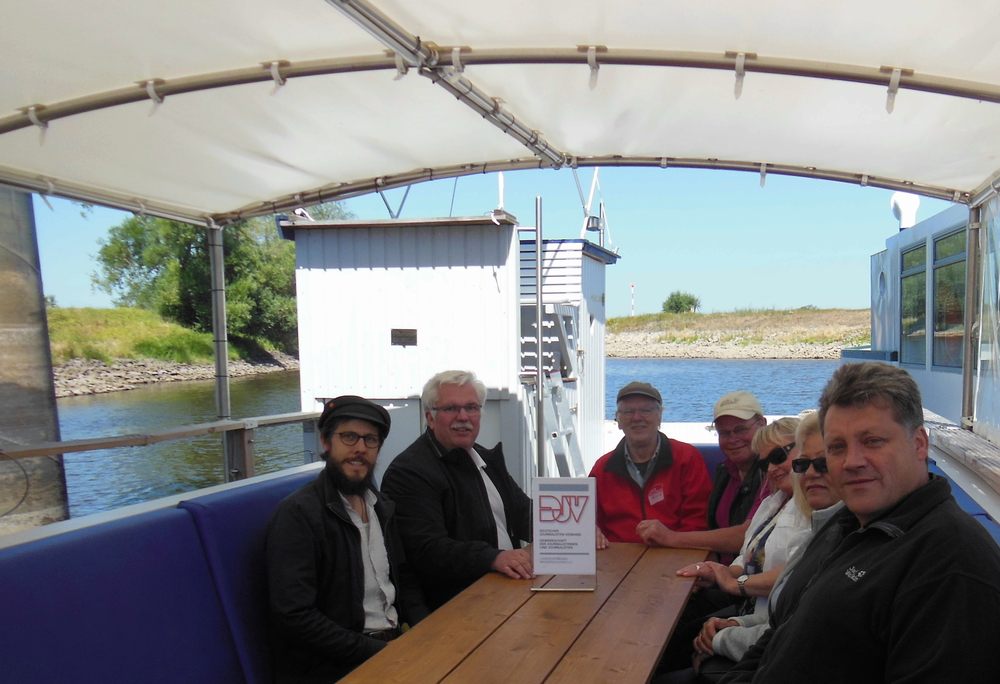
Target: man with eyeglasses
point(737, 489)
point(461, 514)
point(648, 476)
point(901, 585)
point(339, 584)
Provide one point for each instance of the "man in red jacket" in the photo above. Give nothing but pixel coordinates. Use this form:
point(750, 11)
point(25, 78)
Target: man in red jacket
point(649, 476)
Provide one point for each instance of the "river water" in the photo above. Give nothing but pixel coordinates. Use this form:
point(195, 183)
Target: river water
point(102, 480)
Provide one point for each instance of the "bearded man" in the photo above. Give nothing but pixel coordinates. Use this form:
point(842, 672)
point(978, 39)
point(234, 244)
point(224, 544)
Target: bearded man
point(339, 585)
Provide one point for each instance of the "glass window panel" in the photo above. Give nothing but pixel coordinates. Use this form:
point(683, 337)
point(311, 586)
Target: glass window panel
point(949, 246)
point(913, 342)
point(949, 314)
point(914, 258)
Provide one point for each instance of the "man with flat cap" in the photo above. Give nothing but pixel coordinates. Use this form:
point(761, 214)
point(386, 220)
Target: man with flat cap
point(648, 476)
point(339, 584)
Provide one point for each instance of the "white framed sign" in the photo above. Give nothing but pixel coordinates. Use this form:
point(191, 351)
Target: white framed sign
point(564, 526)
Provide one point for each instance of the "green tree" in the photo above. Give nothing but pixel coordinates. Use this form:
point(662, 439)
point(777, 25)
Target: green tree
point(681, 302)
point(164, 266)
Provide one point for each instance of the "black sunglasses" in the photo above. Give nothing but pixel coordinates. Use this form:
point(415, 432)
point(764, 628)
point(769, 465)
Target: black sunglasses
point(776, 456)
point(801, 465)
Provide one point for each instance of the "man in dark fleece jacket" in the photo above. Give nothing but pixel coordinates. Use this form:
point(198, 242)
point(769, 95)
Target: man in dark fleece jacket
point(901, 585)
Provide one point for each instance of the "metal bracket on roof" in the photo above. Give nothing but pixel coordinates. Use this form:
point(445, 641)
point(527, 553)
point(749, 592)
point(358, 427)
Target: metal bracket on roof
point(890, 98)
point(153, 95)
point(594, 66)
point(52, 190)
point(279, 80)
point(763, 173)
point(456, 59)
point(402, 68)
point(864, 180)
point(956, 196)
point(740, 73)
point(43, 126)
point(663, 162)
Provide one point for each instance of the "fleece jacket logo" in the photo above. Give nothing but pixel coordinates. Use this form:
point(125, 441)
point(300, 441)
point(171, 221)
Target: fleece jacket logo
point(854, 574)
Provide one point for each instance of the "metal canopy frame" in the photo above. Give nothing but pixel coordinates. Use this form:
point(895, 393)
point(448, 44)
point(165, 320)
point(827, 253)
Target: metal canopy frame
point(444, 66)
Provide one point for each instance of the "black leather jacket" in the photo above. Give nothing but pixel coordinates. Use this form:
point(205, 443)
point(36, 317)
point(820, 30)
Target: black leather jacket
point(316, 584)
point(444, 513)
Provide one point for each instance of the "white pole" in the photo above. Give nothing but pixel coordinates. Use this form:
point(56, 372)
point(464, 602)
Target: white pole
point(539, 380)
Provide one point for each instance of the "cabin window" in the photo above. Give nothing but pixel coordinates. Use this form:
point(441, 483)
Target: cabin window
point(913, 330)
point(949, 299)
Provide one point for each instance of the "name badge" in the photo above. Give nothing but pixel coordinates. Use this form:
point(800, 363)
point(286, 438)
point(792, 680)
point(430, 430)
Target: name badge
point(656, 495)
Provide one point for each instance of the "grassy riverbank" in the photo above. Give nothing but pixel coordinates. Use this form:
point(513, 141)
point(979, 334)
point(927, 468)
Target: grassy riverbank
point(107, 334)
point(744, 333)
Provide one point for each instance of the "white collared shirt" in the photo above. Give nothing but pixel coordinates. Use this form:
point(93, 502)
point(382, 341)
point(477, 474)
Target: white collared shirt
point(380, 594)
point(496, 503)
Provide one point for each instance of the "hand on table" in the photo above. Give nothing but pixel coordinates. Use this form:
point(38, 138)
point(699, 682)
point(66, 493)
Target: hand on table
point(703, 642)
point(602, 541)
point(707, 573)
point(515, 564)
point(654, 533)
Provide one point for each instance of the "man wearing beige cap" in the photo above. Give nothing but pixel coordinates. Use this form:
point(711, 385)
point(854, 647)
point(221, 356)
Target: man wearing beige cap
point(738, 487)
point(648, 477)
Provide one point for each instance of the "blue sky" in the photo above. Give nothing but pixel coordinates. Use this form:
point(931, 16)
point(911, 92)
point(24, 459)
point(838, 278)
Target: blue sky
point(715, 234)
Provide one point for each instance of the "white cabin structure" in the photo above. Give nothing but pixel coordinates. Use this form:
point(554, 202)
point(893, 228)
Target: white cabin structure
point(384, 305)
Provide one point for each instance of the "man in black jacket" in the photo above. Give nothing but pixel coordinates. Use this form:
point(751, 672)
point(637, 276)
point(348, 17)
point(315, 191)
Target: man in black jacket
point(339, 585)
point(460, 512)
point(900, 585)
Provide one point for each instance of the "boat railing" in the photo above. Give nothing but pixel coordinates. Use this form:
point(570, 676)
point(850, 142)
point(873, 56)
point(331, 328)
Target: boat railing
point(238, 442)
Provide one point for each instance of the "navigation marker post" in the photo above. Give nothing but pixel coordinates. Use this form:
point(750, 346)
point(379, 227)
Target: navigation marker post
point(564, 533)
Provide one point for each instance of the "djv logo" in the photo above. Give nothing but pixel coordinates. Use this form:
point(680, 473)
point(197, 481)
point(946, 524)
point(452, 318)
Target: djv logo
point(561, 508)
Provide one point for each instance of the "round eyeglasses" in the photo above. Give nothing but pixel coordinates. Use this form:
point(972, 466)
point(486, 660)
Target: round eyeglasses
point(351, 438)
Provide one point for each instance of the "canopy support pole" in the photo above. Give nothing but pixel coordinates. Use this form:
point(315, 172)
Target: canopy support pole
point(220, 340)
point(539, 315)
point(970, 340)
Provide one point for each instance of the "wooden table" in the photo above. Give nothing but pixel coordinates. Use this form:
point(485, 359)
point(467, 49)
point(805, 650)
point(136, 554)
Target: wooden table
point(498, 630)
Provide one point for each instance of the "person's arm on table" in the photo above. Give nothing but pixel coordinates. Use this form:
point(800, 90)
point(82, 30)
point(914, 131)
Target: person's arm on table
point(422, 528)
point(515, 564)
point(722, 540)
point(602, 541)
point(725, 578)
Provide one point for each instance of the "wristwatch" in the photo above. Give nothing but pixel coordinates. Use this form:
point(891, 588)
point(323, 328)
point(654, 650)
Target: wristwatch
point(741, 581)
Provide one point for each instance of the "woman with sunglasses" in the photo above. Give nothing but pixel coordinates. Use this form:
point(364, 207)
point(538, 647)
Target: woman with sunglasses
point(818, 501)
point(775, 529)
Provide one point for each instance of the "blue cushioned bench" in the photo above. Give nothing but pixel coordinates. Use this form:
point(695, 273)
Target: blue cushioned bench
point(969, 505)
point(127, 601)
point(713, 457)
point(169, 595)
point(232, 525)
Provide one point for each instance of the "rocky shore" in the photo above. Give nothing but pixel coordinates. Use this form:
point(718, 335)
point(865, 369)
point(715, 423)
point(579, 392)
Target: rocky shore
point(647, 345)
point(86, 376)
point(83, 376)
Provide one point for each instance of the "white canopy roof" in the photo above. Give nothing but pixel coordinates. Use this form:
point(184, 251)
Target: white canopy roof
point(490, 86)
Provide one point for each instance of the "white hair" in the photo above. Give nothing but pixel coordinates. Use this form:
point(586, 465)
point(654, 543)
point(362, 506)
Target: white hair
point(429, 396)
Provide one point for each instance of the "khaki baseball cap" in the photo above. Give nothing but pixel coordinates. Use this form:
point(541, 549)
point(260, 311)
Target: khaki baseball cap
point(741, 404)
